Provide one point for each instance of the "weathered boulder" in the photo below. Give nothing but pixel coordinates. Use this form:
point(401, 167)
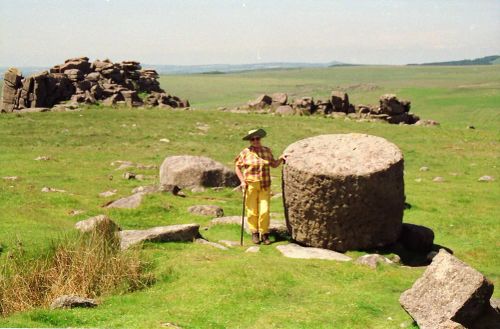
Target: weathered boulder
point(261, 101)
point(285, 110)
point(129, 202)
point(12, 82)
point(372, 260)
point(416, 237)
point(344, 192)
point(448, 290)
point(340, 102)
point(293, 250)
point(71, 301)
point(390, 104)
point(172, 233)
point(279, 98)
point(96, 223)
point(207, 210)
point(187, 171)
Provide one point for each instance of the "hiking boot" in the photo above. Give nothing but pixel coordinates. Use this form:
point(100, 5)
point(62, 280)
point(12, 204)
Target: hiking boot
point(265, 239)
point(255, 238)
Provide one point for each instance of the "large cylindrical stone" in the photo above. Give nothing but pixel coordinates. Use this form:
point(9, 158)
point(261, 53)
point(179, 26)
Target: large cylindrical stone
point(344, 191)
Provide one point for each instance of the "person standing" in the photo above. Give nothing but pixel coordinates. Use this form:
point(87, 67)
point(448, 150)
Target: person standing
point(252, 166)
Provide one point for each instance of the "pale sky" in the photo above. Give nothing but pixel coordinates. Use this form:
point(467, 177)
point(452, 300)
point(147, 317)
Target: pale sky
point(45, 32)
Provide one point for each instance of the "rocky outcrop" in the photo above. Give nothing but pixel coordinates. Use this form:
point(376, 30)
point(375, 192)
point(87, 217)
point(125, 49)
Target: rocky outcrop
point(450, 292)
point(81, 81)
point(390, 108)
point(344, 192)
point(207, 210)
point(187, 171)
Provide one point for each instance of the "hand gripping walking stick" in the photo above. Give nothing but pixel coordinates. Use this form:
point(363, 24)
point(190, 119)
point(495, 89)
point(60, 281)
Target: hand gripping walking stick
point(243, 215)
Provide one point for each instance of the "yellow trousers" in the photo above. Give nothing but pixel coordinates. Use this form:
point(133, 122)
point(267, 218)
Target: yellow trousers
point(257, 207)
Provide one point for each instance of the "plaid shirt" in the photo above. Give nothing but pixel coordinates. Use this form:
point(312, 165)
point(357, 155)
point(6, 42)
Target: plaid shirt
point(256, 164)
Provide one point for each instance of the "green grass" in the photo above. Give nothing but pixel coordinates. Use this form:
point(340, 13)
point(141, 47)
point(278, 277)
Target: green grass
point(203, 287)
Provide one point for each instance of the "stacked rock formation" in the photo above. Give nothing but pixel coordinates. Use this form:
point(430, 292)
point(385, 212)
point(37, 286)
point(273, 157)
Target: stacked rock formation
point(344, 191)
point(84, 82)
point(390, 108)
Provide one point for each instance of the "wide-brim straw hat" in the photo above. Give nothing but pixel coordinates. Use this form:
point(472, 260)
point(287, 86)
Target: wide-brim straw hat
point(255, 133)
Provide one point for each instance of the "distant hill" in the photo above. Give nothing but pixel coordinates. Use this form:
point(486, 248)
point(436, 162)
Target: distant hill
point(487, 60)
point(232, 68)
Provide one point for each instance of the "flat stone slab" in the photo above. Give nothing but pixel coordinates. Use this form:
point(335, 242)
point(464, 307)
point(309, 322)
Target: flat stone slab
point(276, 227)
point(212, 244)
point(130, 202)
point(253, 249)
point(172, 233)
point(293, 250)
point(229, 243)
point(372, 260)
point(448, 290)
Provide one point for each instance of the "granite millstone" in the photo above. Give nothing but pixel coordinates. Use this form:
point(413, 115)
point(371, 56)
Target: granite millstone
point(344, 191)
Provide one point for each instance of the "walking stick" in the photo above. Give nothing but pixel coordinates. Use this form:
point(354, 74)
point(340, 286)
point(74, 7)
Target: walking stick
point(243, 216)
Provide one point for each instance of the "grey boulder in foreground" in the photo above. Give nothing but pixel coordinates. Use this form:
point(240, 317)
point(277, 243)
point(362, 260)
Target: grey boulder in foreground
point(449, 294)
point(172, 233)
point(344, 191)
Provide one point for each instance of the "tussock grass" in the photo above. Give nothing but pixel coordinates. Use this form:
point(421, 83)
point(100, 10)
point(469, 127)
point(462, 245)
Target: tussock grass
point(88, 265)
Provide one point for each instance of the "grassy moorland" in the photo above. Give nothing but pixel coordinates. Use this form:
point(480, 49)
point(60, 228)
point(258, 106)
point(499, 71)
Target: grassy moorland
point(198, 286)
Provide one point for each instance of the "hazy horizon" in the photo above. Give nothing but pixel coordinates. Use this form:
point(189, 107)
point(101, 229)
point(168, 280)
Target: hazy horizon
point(197, 32)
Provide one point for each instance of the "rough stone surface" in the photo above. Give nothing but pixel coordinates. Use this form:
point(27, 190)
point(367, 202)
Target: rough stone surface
point(187, 171)
point(93, 223)
point(207, 210)
point(417, 237)
point(71, 301)
point(344, 191)
point(372, 260)
point(182, 232)
point(448, 290)
point(129, 202)
point(293, 250)
point(285, 110)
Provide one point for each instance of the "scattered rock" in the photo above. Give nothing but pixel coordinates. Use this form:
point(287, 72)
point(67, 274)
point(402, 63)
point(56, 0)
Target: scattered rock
point(438, 179)
point(424, 169)
point(51, 189)
point(76, 212)
point(11, 178)
point(426, 123)
point(213, 244)
point(207, 210)
point(72, 301)
point(42, 158)
point(344, 192)
point(146, 189)
point(470, 127)
point(129, 202)
point(486, 179)
point(129, 175)
point(165, 140)
point(285, 110)
point(188, 171)
point(96, 222)
point(107, 194)
point(172, 233)
point(198, 189)
point(253, 249)
point(448, 290)
point(293, 250)
point(372, 260)
point(416, 237)
point(229, 243)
